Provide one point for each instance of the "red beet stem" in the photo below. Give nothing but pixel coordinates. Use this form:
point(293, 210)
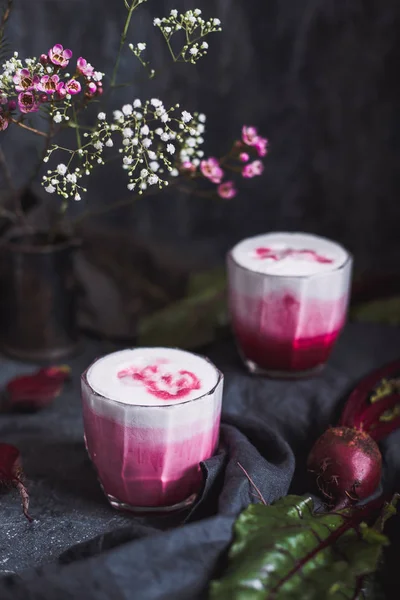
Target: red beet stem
point(24, 498)
point(360, 395)
point(383, 429)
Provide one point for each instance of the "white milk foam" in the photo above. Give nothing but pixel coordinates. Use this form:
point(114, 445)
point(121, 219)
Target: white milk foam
point(111, 377)
point(279, 254)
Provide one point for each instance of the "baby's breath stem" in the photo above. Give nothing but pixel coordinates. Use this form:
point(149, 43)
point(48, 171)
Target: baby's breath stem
point(78, 133)
point(122, 42)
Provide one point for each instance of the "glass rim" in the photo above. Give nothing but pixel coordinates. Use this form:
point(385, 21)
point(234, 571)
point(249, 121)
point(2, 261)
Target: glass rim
point(342, 266)
point(220, 378)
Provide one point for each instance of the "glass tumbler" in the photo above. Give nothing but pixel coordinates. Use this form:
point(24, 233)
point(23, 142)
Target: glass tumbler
point(147, 456)
point(286, 325)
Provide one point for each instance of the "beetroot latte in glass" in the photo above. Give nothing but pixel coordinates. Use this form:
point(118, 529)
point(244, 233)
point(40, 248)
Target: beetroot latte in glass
point(151, 415)
point(288, 296)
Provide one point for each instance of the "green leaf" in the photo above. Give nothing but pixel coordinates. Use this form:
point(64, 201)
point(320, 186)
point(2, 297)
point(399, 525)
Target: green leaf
point(193, 321)
point(378, 311)
point(286, 551)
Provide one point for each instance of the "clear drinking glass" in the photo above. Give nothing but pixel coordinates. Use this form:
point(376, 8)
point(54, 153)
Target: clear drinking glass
point(147, 456)
point(286, 325)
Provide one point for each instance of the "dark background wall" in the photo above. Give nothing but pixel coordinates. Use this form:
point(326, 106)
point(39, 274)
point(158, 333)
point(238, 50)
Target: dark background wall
point(319, 78)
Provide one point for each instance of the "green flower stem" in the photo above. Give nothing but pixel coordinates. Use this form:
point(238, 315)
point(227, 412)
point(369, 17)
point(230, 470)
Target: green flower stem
point(122, 42)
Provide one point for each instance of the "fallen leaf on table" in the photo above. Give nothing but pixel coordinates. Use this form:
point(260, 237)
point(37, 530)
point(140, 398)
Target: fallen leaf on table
point(37, 390)
point(286, 551)
point(193, 321)
point(385, 310)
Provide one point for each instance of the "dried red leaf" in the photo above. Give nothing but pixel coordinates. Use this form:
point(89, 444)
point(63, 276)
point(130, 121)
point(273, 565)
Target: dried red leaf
point(11, 474)
point(38, 390)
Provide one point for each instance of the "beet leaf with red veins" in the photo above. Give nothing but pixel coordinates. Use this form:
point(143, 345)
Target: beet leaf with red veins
point(11, 474)
point(345, 460)
point(287, 551)
point(38, 390)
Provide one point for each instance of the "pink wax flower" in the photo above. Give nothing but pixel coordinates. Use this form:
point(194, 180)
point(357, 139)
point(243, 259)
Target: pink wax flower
point(249, 135)
point(188, 166)
point(25, 81)
point(12, 105)
point(26, 102)
point(3, 121)
point(44, 59)
point(227, 190)
point(83, 67)
point(211, 170)
point(48, 84)
point(59, 56)
point(244, 157)
point(91, 88)
point(61, 90)
point(253, 169)
point(43, 98)
point(261, 146)
point(73, 87)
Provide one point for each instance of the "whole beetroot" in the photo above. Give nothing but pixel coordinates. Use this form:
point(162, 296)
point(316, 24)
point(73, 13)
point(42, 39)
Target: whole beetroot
point(347, 464)
point(346, 460)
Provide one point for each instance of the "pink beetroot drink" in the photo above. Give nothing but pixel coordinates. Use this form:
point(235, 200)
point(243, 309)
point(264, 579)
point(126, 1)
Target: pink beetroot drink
point(151, 415)
point(288, 296)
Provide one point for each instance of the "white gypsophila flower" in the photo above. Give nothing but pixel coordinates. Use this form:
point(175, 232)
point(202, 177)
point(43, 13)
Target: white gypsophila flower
point(109, 143)
point(216, 22)
point(159, 131)
point(97, 76)
point(143, 186)
point(98, 145)
point(174, 173)
point(147, 142)
point(137, 103)
point(186, 116)
point(101, 116)
point(204, 46)
point(77, 197)
point(50, 189)
point(71, 178)
point(197, 12)
point(127, 109)
point(200, 140)
point(57, 118)
point(152, 155)
point(61, 169)
point(155, 102)
point(171, 148)
point(154, 166)
point(127, 132)
point(152, 180)
point(195, 162)
point(167, 29)
point(200, 153)
point(127, 160)
point(191, 142)
point(138, 115)
point(141, 46)
point(135, 142)
point(202, 118)
point(165, 136)
point(157, 22)
point(131, 186)
point(145, 130)
point(126, 142)
point(165, 118)
point(191, 19)
point(174, 13)
point(200, 128)
point(193, 50)
point(144, 173)
point(118, 115)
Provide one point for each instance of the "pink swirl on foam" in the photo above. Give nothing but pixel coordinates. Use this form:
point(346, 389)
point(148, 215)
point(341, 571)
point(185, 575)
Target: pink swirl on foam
point(160, 383)
point(309, 255)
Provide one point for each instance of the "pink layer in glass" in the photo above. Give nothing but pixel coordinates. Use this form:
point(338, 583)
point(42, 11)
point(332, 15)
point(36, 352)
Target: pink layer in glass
point(285, 334)
point(139, 470)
